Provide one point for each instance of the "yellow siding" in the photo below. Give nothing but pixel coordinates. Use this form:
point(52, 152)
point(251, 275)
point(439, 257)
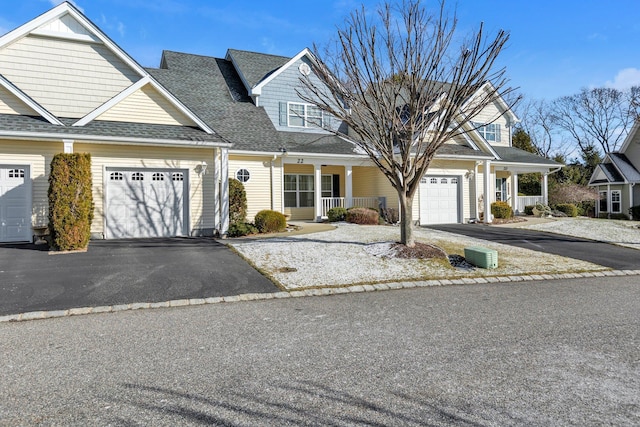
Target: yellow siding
point(68, 78)
point(146, 105)
point(259, 187)
point(10, 104)
point(370, 182)
point(488, 115)
point(201, 187)
point(38, 156)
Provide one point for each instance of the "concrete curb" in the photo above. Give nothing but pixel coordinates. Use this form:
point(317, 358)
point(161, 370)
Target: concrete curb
point(297, 293)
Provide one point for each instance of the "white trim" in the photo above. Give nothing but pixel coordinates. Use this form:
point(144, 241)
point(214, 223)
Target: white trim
point(29, 102)
point(65, 36)
point(503, 104)
point(98, 139)
point(257, 90)
point(619, 192)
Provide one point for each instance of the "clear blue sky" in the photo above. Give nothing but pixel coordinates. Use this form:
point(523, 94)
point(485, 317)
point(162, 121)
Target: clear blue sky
point(556, 47)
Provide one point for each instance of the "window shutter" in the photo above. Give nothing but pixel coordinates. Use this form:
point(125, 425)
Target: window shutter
point(283, 114)
point(497, 132)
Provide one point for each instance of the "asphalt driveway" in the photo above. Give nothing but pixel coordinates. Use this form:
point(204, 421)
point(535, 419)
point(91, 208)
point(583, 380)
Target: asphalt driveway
point(608, 255)
point(122, 271)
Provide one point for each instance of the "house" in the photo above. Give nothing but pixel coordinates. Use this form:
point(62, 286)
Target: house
point(164, 141)
point(616, 178)
point(66, 87)
point(287, 153)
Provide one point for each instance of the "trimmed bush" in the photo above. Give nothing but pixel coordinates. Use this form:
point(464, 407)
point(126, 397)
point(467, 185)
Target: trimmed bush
point(363, 216)
point(391, 215)
point(240, 229)
point(568, 208)
point(528, 210)
point(635, 212)
point(268, 221)
point(70, 201)
point(237, 202)
point(501, 210)
point(337, 214)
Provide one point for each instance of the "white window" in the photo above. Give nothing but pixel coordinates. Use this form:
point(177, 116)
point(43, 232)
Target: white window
point(304, 115)
point(443, 180)
point(116, 176)
point(137, 176)
point(616, 205)
point(16, 173)
point(501, 189)
point(299, 190)
point(243, 175)
point(157, 176)
point(177, 176)
point(433, 180)
point(490, 132)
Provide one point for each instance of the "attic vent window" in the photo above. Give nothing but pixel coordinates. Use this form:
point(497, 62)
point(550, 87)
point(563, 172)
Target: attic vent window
point(304, 69)
point(243, 175)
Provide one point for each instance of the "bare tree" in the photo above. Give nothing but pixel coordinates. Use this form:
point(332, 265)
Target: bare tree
point(538, 122)
point(599, 117)
point(404, 87)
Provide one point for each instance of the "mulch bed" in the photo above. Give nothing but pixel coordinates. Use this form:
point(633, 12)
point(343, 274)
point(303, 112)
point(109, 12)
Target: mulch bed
point(420, 251)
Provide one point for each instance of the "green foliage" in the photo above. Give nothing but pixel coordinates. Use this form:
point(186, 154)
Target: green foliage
point(237, 202)
point(568, 208)
point(70, 201)
point(522, 140)
point(363, 216)
point(605, 215)
point(529, 184)
point(542, 210)
point(635, 212)
point(528, 210)
point(239, 229)
point(337, 214)
point(501, 209)
point(268, 221)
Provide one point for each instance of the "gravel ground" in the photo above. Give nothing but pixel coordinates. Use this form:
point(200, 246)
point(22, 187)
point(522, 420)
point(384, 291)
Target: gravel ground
point(618, 232)
point(355, 254)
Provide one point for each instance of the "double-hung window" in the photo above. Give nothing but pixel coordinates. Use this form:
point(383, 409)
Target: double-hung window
point(303, 115)
point(299, 190)
point(603, 206)
point(616, 205)
point(490, 132)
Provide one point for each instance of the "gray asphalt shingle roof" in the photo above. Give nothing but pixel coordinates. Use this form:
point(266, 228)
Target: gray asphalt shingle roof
point(101, 128)
point(625, 167)
point(255, 66)
point(516, 155)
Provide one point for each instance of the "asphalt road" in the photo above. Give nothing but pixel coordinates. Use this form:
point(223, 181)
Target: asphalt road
point(528, 353)
point(608, 255)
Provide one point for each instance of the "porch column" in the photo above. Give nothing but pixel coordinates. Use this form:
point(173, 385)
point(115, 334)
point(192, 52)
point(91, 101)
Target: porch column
point(631, 204)
point(216, 190)
point(348, 186)
point(514, 192)
point(317, 192)
point(487, 192)
point(545, 188)
point(224, 191)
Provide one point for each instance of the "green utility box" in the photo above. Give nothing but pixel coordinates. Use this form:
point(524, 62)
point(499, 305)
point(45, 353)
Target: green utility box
point(481, 257)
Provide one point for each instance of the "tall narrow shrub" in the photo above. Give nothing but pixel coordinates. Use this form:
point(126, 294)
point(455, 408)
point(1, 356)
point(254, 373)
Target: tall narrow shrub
point(70, 201)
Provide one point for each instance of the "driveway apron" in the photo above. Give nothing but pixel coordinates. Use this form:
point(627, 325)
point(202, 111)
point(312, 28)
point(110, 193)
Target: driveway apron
point(605, 254)
point(120, 272)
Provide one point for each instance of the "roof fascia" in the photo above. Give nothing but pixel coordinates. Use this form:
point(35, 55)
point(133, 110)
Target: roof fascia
point(257, 90)
point(615, 165)
point(593, 174)
point(230, 57)
point(118, 140)
point(29, 102)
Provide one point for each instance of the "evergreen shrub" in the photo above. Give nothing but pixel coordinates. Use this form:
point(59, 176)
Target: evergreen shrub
point(501, 209)
point(268, 221)
point(70, 201)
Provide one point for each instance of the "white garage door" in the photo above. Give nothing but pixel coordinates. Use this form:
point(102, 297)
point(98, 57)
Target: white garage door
point(439, 200)
point(15, 204)
point(146, 203)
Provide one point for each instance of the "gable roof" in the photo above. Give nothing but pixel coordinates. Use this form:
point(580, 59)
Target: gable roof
point(516, 155)
point(28, 101)
point(624, 166)
point(253, 67)
point(65, 21)
point(605, 173)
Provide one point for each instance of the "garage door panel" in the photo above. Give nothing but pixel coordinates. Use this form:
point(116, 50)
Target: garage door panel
point(439, 200)
point(15, 203)
point(143, 203)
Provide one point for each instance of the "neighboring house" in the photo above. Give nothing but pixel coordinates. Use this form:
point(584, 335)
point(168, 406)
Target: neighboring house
point(616, 178)
point(66, 87)
point(165, 141)
point(286, 154)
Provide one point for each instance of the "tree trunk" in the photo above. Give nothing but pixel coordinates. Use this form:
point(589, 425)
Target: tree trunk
point(406, 220)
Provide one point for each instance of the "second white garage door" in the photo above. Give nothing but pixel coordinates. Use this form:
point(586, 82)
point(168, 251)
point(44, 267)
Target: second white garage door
point(146, 203)
point(439, 200)
point(15, 204)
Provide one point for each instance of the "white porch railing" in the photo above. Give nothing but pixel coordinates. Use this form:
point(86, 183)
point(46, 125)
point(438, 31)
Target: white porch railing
point(528, 200)
point(357, 202)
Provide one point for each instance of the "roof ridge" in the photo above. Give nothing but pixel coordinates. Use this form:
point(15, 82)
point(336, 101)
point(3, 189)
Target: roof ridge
point(259, 53)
